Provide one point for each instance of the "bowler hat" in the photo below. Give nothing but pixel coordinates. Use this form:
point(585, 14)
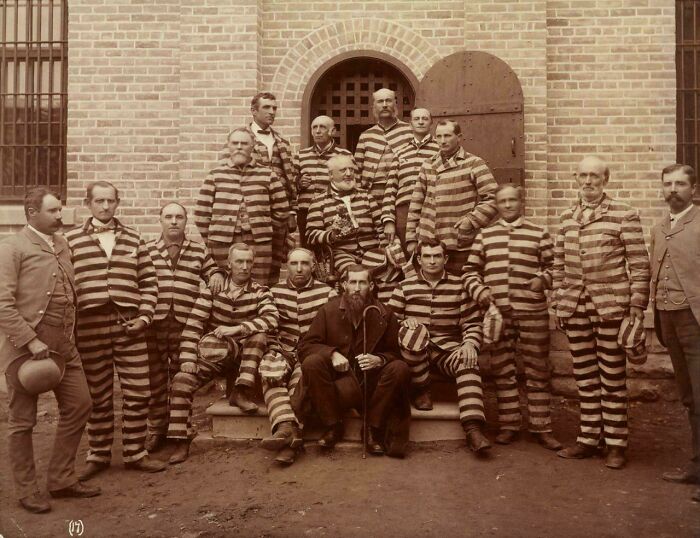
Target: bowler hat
point(212, 348)
point(414, 340)
point(632, 338)
point(37, 376)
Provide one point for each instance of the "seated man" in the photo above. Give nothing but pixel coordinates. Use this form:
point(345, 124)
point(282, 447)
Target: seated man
point(346, 218)
point(221, 329)
point(510, 265)
point(435, 300)
point(354, 339)
point(298, 299)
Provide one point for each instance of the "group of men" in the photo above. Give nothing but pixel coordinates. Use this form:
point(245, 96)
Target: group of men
point(435, 261)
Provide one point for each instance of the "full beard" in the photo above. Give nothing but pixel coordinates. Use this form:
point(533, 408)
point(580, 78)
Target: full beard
point(356, 303)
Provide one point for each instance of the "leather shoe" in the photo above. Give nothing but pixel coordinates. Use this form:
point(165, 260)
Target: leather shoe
point(286, 435)
point(422, 401)
point(548, 441)
point(287, 455)
point(92, 469)
point(506, 437)
point(577, 451)
point(154, 443)
point(35, 504)
point(374, 447)
point(240, 397)
point(181, 452)
point(681, 477)
point(147, 465)
point(615, 458)
point(331, 436)
point(477, 441)
point(78, 490)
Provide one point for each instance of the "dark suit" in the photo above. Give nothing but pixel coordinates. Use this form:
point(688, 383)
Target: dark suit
point(31, 278)
point(678, 325)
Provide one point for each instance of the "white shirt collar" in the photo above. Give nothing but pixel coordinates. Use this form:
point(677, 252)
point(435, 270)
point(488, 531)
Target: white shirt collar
point(675, 218)
point(515, 224)
point(47, 238)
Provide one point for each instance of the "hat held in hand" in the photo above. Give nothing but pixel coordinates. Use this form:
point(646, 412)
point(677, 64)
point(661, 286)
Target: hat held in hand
point(632, 338)
point(37, 376)
point(414, 340)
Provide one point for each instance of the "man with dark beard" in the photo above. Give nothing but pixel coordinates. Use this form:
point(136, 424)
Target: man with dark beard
point(335, 362)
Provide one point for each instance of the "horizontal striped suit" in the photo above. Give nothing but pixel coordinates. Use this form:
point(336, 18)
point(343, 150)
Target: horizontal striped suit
point(297, 309)
point(109, 291)
point(452, 319)
point(250, 307)
point(504, 258)
point(178, 289)
point(601, 269)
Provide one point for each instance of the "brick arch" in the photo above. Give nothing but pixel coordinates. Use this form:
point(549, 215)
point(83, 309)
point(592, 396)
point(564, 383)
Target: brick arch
point(341, 39)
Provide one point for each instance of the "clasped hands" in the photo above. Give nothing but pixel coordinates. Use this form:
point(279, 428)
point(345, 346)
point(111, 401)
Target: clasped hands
point(366, 361)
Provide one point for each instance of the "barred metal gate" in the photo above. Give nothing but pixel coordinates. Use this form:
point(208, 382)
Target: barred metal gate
point(687, 84)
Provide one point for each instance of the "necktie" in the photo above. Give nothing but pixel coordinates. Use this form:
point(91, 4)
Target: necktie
point(264, 131)
point(106, 228)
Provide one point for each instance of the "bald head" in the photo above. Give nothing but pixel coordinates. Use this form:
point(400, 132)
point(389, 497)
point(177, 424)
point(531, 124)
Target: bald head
point(592, 176)
point(322, 130)
point(384, 101)
point(421, 121)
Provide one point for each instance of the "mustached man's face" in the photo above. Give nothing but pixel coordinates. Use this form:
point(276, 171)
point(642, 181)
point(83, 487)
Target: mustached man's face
point(677, 190)
point(47, 219)
point(240, 147)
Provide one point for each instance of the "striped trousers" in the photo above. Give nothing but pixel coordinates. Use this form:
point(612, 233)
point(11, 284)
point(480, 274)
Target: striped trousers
point(262, 265)
point(527, 334)
point(278, 399)
point(163, 340)
point(470, 394)
point(185, 385)
point(600, 373)
point(104, 347)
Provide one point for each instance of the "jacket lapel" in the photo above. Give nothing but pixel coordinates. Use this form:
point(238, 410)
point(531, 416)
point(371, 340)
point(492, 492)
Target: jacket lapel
point(686, 219)
point(34, 238)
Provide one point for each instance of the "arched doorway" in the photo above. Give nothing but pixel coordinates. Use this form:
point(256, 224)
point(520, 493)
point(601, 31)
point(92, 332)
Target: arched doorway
point(343, 90)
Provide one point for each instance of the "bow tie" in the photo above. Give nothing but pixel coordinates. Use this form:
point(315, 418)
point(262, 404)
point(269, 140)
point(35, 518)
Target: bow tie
point(106, 228)
point(264, 131)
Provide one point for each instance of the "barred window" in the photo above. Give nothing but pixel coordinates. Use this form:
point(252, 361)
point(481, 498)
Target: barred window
point(33, 100)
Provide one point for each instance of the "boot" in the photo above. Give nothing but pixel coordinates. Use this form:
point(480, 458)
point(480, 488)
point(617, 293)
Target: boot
point(577, 451)
point(422, 400)
point(147, 465)
point(374, 447)
point(154, 442)
point(286, 435)
point(92, 469)
point(35, 504)
point(288, 455)
point(547, 440)
point(332, 435)
point(242, 398)
point(506, 437)
point(615, 458)
point(181, 452)
point(476, 440)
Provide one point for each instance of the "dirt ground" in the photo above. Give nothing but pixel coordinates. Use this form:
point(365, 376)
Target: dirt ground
point(439, 489)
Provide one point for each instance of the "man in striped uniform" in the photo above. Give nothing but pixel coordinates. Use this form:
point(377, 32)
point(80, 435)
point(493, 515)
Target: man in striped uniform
point(117, 291)
point(347, 218)
point(240, 317)
point(436, 300)
point(297, 298)
point(244, 201)
point(310, 170)
point(453, 198)
point(510, 265)
point(181, 266)
point(601, 275)
point(377, 147)
point(408, 160)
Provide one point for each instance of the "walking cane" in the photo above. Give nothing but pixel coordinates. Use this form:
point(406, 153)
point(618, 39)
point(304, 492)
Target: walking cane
point(364, 377)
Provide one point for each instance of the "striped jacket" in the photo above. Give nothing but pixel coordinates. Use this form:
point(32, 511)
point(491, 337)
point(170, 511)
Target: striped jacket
point(311, 163)
point(408, 160)
point(504, 258)
point(375, 152)
point(447, 192)
point(178, 285)
point(297, 309)
point(603, 254)
point(127, 278)
point(219, 200)
point(324, 209)
point(446, 311)
point(252, 307)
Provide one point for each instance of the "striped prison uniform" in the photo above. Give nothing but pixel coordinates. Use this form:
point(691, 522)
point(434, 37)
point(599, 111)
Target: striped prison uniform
point(503, 259)
point(451, 319)
point(348, 250)
point(601, 269)
point(446, 192)
point(241, 204)
point(178, 289)
point(297, 309)
point(251, 307)
point(374, 155)
point(397, 197)
point(110, 291)
point(311, 164)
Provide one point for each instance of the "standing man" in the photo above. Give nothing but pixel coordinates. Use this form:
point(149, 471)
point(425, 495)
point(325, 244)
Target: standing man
point(242, 201)
point(274, 151)
point(117, 293)
point(181, 266)
point(601, 276)
point(453, 198)
point(376, 148)
point(310, 169)
point(298, 299)
point(37, 315)
point(334, 364)
point(675, 294)
point(510, 265)
point(434, 302)
point(239, 318)
point(408, 160)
